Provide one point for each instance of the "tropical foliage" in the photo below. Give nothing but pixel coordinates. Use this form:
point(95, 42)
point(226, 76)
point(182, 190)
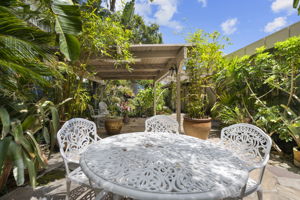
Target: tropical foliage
point(45, 47)
point(204, 60)
point(144, 100)
point(263, 89)
point(117, 95)
point(25, 71)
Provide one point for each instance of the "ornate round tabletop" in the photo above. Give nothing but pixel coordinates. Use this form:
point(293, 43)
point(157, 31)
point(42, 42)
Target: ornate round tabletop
point(163, 166)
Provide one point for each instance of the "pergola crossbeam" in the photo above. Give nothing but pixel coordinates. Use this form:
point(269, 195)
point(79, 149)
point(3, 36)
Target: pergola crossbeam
point(99, 67)
point(128, 78)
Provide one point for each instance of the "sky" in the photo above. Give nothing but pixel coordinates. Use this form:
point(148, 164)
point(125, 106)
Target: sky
point(243, 21)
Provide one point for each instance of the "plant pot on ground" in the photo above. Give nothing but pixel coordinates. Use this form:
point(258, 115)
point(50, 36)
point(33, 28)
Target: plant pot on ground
point(113, 125)
point(296, 153)
point(114, 122)
point(199, 128)
point(196, 122)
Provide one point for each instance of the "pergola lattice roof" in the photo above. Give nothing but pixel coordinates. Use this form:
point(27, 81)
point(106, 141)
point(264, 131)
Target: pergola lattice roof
point(152, 61)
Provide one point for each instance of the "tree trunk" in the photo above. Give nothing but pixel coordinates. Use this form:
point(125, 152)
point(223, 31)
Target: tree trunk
point(112, 5)
point(5, 174)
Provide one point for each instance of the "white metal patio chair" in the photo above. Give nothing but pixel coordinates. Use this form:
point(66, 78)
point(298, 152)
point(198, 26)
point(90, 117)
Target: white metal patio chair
point(252, 146)
point(161, 123)
point(73, 138)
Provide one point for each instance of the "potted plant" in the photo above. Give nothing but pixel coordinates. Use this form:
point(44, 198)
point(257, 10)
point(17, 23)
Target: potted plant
point(114, 121)
point(204, 60)
point(117, 96)
point(294, 128)
point(292, 121)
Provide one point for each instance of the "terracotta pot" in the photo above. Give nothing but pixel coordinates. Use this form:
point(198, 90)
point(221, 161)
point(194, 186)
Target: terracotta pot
point(296, 152)
point(5, 173)
point(113, 125)
point(199, 128)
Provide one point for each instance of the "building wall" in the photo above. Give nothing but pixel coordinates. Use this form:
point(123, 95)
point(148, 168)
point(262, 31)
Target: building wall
point(269, 41)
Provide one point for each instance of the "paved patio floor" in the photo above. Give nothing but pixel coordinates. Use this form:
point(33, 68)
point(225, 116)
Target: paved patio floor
point(281, 179)
point(278, 184)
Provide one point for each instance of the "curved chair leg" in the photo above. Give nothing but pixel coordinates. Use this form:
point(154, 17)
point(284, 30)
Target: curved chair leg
point(68, 182)
point(260, 194)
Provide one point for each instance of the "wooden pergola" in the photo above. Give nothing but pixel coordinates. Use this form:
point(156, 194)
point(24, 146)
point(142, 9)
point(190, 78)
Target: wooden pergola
point(151, 61)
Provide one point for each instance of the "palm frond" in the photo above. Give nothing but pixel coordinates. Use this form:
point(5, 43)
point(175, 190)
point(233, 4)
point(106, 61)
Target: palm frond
point(19, 71)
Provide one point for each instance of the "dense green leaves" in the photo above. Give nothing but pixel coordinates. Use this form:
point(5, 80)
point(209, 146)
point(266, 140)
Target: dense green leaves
point(69, 46)
point(128, 13)
point(54, 126)
point(265, 87)
point(31, 169)
point(67, 26)
point(143, 101)
point(144, 34)
point(23, 50)
point(4, 117)
point(4, 144)
point(296, 4)
point(33, 69)
point(15, 154)
point(204, 60)
point(104, 36)
point(22, 149)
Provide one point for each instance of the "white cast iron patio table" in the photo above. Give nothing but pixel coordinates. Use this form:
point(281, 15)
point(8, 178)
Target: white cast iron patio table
point(163, 166)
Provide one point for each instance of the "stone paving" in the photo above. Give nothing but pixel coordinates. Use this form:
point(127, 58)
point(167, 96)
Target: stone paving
point(281, 179)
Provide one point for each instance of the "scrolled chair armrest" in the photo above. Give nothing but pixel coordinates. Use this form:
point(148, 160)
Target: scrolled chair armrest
point(260, 165)
point(254, 167)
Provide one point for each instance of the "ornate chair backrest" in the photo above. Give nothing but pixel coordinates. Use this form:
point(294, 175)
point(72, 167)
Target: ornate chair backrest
point(249, 142)
point(75, 136)
point(161, 123)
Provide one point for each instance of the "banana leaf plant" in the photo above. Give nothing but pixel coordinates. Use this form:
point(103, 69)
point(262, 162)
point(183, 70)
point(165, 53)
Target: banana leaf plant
point(18, 145)
point(61, 17)
point(67, 25)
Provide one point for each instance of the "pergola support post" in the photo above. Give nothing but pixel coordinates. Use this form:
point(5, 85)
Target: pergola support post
point(179, 64)
point(178, 103)
point(154, 97)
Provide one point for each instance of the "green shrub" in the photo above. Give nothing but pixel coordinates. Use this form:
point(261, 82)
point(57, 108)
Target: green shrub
point(263, 89)
point(143, 101)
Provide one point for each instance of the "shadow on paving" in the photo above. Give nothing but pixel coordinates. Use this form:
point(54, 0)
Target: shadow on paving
point(80, 192)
